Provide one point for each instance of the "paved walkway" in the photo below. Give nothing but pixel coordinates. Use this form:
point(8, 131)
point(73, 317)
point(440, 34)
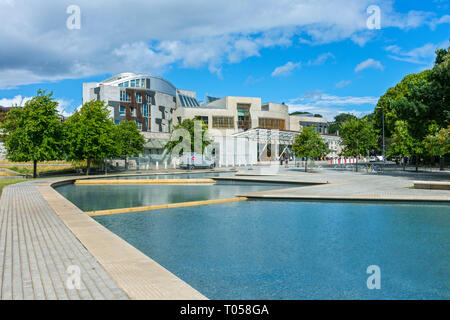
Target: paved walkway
point(346, 185)
point(36, 250)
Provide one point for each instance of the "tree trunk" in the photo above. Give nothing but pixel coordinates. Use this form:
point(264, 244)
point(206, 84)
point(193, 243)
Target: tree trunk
point(441, 163)
point(88, 166)
point(34, 169)
point(306, 164)
point(356, 163)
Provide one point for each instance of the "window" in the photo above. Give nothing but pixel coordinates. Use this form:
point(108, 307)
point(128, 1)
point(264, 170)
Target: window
point(139, 125)
point(203, 118)
point(271, 123)
point(124, 96)
point(223, 122)
point(133, 112)
point(122, 111)
point(138, 83)
point(138, 98)
point(243, 111)
point(142, 83)
point(145, 110)
point(149, 99)
point(132, 83)
point(126, 84)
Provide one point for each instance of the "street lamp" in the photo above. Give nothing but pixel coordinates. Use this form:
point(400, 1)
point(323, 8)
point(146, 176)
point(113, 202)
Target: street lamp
point(384, 145)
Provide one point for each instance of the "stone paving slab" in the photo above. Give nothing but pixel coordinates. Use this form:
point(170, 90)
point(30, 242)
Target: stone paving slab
point(37, 248)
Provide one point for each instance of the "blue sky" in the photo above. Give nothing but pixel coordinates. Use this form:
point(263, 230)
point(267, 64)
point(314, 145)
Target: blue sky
point(316, 56)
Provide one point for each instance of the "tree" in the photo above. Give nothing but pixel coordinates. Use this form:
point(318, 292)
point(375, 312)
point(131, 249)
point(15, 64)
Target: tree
point(34, 132)
point(438, 143)
point(420, 100)
point(309, 144)
point(188, 127)
point(90, 134)
point(358, 136)
point(339, 120)
point(130, 141)
point(402, 143)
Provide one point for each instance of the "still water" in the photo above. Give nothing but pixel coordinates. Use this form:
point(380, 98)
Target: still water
point(297, 250)
point(103, 197)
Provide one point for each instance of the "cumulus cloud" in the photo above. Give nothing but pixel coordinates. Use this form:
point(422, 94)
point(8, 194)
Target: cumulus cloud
point(343, 83)
point(286, 69)
point(321, 59)
point(330, 105)
point(152, 36)
point(421, 55)
point(369, 63)
point(19, 100)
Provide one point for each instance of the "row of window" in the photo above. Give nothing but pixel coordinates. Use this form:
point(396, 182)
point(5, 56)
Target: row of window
point(272, 123)
point(145, 111)
point(126, 97)
point(139, 124)
point(223, 122)
point(135, 83)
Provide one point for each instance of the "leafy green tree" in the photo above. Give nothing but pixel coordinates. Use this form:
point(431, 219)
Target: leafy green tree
point(437, 143)
point(358, 137)
point(402, 144)
point(34, 132)
point(90, 134)
point(339, 120)
point(309, 144)
point(186, 130)
point(130, 141)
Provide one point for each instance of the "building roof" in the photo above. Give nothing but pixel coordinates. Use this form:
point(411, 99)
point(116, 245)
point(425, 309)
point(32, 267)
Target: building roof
point(310, 119)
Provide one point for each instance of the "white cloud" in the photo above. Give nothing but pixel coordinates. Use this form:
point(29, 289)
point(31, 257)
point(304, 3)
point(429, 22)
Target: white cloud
point(343, 83)
point(421, 55)
point(321, 59)
point(63, 105)
point(16, 101)
point(369, 63)
point(329, 105)
point(285, 69)
point(153, 36)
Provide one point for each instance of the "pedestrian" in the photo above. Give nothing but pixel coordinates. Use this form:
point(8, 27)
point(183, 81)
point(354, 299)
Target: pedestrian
point(286, 159)
point(281, 160)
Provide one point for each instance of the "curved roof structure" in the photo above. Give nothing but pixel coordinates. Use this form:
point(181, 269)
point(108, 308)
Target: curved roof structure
point(131, 80)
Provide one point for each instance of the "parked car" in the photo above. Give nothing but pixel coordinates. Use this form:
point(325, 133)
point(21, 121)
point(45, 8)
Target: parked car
point(192, 160)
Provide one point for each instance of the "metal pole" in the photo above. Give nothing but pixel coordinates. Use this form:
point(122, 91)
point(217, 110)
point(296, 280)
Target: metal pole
point(384, 145)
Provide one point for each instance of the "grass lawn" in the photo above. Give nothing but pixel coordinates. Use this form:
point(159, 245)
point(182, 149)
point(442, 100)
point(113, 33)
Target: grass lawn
point(4, 183)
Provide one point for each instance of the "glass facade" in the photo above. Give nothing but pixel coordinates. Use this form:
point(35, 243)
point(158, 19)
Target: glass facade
point(223, 122)
point(272, 123)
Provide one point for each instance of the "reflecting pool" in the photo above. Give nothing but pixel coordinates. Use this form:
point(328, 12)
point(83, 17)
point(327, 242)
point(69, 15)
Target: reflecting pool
point(190, 175)
point(103, 197)
point(297, 250)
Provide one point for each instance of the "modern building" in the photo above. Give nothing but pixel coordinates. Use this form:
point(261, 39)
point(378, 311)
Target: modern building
point(244, 130)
